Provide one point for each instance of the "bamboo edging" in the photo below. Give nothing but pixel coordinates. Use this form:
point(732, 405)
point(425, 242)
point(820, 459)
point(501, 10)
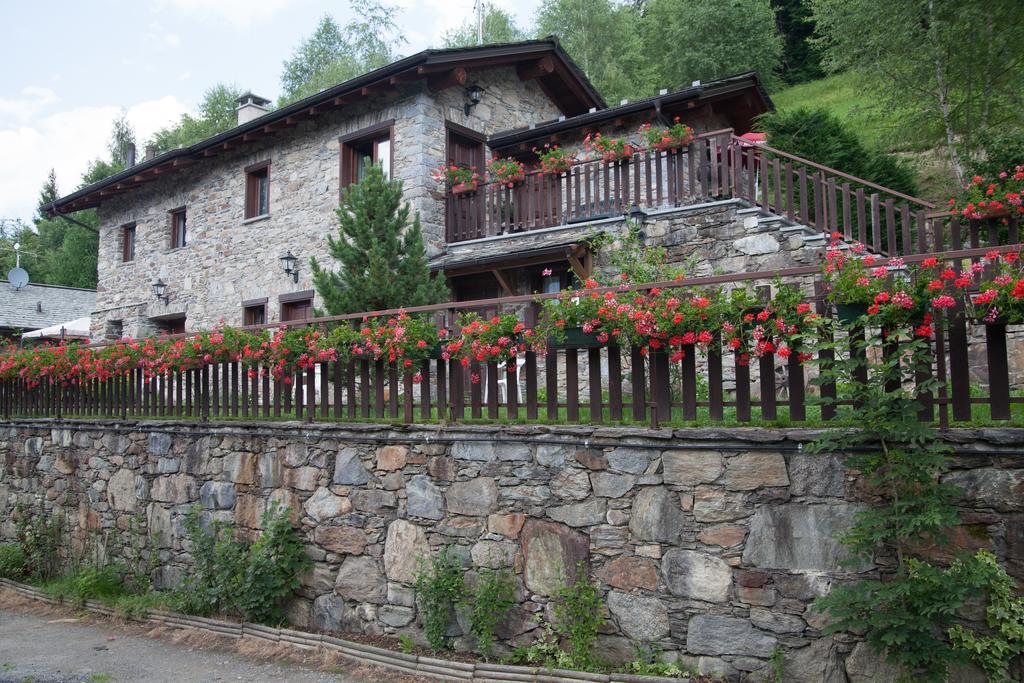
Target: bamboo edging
point(419, 665)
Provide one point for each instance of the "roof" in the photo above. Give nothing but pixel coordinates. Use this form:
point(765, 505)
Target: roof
point(35, 306)
point(739, 85)
point(461, 257)
point(79, 327)
point(544, 60)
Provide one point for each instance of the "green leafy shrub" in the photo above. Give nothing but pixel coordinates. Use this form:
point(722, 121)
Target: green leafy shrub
point(440, 585)
point(579, 613)
point(39, 535)
point(489, 603)
point(229, 577)
point(12, 561)
point(89, 582)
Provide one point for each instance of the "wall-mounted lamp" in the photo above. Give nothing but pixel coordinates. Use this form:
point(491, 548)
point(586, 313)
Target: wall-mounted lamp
point(638, 217)
point(473, 94)
point(290, 263)
point(160, 289)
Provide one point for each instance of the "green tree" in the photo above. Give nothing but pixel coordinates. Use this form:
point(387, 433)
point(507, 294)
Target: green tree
point(121, 135)
point(801, 61)
point(334, 54)
point(602, 38)
point(498, 27)
point(820, 136)
point(708, 39)
point(217, 113)
point(949, 69)
point(381, 257)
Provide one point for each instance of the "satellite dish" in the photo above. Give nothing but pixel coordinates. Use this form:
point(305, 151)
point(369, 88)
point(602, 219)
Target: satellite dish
point(18, 277)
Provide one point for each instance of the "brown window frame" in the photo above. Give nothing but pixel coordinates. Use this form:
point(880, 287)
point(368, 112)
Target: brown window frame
point(289, 301)
point(128, 237)
point(253, 175)
point(349, 155)
point(178, 240)
point(249, 307)
point(453, 129)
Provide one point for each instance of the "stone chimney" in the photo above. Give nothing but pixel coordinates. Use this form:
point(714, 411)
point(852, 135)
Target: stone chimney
point(131, 155)
point(150, 152)
point(251, 107)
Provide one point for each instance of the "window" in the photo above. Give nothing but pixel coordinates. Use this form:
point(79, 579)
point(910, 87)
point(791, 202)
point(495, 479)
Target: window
point(465, 147)
point(363, 148)
point(114, 329)
point(296, 306)
point(128, 243)
point(173, 324)
point(254, 312)
point(179, 233)
point(257, 190)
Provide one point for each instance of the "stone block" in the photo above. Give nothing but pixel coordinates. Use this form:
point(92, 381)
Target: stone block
point(629, 460)
point(816, 475)
point(349, 469)
point(717, 635)
point(332, 614)
point(302, 478)
point(691, 467)
point(474, 497)
point(122, 490)
point(715, 505)
point(776, 622)
point(587, 513)
point(551, 554)
point(591, 459)
point(643, 619)
point(508, 526)
point(550, 455)
point(571, 483)
point(158, 443)
point(359, 579)
point(323, 505)
point(656, 516)
point(395, 616)
point(723, 535)
point(751, 471)
point(610, 485)
point(480, 451)
point(391, 458)
point(630, 572)
point(342, 540)
point(405, 543)
point(270, 470)
point(423, 498)
point(799, 537)
point(696, 575)
point(1000, 489)
point(249, 512)
point(493, 554)
point(442, 469)
point(242, 468)
point(217, 495)
point(373, 500)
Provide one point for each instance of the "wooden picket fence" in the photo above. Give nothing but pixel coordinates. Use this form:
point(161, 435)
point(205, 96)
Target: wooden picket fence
point(619, 385)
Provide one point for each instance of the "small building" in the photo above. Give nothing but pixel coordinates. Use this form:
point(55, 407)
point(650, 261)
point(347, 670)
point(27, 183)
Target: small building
point(35, 307)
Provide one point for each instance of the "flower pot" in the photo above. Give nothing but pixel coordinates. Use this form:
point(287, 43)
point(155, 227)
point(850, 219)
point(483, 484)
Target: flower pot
point(576, 338)
point(465, 188)
point(848, 314)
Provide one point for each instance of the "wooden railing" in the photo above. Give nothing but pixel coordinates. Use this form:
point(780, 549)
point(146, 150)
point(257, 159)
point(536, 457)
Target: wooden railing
point(719, 165)
point(607, 385)
point(593, 190)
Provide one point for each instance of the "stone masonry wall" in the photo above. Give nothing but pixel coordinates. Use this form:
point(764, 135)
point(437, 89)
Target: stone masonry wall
point(711, 544)
point(228, 259)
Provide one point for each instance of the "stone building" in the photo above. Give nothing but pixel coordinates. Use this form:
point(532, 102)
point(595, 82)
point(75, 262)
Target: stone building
point(210, 222)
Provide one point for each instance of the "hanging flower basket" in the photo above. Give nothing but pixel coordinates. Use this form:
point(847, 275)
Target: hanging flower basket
point(554, 160)
point(576, 338)
point(506, 172)
point(675, 137)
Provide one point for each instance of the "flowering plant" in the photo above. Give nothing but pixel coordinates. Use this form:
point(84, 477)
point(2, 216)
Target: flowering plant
point(501, 338)
point(777, 326)
point(1000, 296)
point(609, 149)
point(675, 136)
point(852, 275)
point(506, 171)
point(453, 176)
point(554, 159)
point(290, 350)
point(991, 197)
point(605, 315)
point(676, 318)
point(402, 339)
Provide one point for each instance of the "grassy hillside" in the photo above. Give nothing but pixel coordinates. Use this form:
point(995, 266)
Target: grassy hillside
point(843, 96)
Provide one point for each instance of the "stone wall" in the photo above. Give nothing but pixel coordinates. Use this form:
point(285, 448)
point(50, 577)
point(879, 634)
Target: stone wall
point(711, 544)
point(228, 259)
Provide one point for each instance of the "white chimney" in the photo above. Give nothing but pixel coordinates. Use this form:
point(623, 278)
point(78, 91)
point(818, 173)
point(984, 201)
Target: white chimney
point(251, 107)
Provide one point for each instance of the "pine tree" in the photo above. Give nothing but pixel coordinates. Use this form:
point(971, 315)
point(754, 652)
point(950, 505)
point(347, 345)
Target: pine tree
point(381, 256)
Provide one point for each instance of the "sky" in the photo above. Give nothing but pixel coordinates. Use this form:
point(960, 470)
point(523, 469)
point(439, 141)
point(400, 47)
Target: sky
point(70, 67)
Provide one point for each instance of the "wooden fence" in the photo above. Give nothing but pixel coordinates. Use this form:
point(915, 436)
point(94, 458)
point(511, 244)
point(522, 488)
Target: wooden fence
point(719, 165)
point(606, 385)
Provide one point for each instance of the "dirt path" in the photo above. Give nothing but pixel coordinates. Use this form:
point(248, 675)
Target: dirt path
point(49, 645)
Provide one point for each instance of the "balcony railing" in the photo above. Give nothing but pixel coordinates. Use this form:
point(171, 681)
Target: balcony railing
point(719, 165)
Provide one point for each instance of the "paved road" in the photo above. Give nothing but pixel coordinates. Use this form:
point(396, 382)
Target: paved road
point(58, 649)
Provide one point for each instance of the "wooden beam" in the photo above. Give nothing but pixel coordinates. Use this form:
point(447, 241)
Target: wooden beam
point(542, 67)
point(181, 163)
point(500, 277)
point(577, 266)
point(405, 77)
point(456, 76)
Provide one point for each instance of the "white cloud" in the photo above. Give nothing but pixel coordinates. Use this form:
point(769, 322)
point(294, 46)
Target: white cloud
point(240, 14)
point(66, 141)
point(33, 99)
point(172, 40)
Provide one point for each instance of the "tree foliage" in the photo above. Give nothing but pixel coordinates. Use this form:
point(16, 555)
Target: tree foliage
point(381, 257)
point(820, 136)
point(801, 60)
point(498, 27)
point(217, 113)
point(334, 54)
point(949, 69)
